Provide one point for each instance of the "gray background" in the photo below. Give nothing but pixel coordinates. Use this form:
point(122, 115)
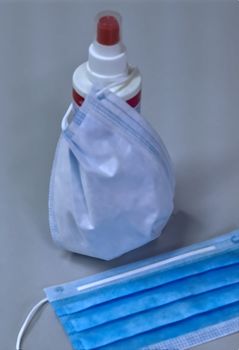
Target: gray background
point(188, 52)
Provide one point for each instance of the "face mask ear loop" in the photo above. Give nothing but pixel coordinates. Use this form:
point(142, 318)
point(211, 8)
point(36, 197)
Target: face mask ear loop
point(119, 81)
point(27, 322)
point(64, 122)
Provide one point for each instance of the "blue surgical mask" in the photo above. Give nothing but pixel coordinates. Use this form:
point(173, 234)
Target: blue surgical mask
point(112, 184)
point(173, 301)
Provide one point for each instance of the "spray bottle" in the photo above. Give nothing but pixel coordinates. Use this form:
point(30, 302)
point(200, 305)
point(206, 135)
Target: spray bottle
point(107, 63)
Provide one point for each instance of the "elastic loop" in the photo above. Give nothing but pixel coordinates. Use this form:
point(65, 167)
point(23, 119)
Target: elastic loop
point(119, 81)
point(27, 322)
point(64, 122)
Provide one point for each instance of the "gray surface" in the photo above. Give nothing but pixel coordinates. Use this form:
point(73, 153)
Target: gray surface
point(188, 53)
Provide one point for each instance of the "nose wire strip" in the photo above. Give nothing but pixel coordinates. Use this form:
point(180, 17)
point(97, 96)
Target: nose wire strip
point(143, 269)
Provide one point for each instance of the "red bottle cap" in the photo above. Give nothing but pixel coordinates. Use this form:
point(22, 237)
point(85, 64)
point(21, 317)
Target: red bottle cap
point(108, 30)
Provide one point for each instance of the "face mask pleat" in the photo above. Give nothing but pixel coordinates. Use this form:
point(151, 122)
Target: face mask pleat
point(118, 107)
point(151, 298)
point(105, 293)
point(131, 121)
point(171, 331)
point(139, 135)
point(159, 317)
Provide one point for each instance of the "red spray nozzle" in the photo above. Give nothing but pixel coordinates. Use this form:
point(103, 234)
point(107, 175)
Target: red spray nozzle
point(108, 30)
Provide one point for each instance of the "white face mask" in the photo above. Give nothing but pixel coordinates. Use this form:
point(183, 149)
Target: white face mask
point(112, 184)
